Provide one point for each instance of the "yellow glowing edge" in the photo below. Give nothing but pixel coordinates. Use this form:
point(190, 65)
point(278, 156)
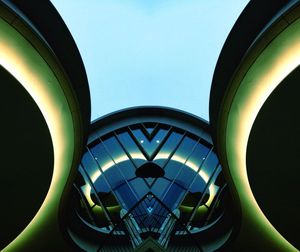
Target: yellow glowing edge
point(22, 60)
point(202, 174)
point(87, 188)
point(276, 61)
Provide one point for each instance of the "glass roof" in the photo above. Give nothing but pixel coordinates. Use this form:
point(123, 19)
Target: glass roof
point(142, 52)
point(125, 184)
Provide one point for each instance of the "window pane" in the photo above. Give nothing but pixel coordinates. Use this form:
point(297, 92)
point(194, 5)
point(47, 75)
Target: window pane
point(166, 150)
point(198, 185)
point(122, 162)
point(198, 156)
point(102, 157)
point(90, 166)
point(172, 169)
point(101, 185)
point(127, 168)
point(185, 149)
point(132, 149)
point(114, 177)
point(209, 165)
point(126, 196)
point(149, 146)
point(173, 196)
point(114, 150)
point(159, 187)
point(186, 176)
point(139, 187)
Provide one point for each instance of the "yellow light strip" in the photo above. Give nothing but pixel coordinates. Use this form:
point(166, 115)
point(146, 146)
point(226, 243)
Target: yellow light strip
point(277, 60)
point(22, 60)
point(87, 188)
point(202, 174)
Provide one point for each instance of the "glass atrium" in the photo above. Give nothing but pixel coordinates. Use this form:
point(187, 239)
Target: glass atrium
point(149, 179)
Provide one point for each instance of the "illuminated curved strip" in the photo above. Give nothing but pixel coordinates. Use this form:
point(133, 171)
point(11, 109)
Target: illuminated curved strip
point(275, 62)
point(202, 174)
point(87, 188)
point(22, 61)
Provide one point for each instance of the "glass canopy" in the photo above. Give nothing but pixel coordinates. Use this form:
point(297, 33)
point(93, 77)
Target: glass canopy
point(149, 180)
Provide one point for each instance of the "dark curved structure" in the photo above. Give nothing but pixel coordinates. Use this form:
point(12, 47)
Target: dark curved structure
point(253, 112)
point(150, 175)
point(149, 170)
point(45, 113)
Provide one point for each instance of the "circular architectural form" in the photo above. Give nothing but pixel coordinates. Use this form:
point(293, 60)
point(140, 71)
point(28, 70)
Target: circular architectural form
point(27, 144)
point(150, 173)
point(254, 117)
point(44, 86)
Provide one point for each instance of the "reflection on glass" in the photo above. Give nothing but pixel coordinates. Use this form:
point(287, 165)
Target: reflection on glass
point(110, 182)
point(139, 187)
point(160, 187)
point(89, 164)
point(134, 152)
point(149, 143)
point(126, 196)
point(168, 148)
point(199, 155)
point(102, 157)
point(128, 169)
point(210, 164)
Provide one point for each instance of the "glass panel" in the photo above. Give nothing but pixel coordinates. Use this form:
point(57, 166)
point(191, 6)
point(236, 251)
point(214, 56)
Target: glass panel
point(159, 187)
point(88, 188)
point(169, 146)
point(213, 189)
point(149, 129)
point(198, 185)
point(107, 165)
point(209, 166)
point(186, 176)
point(149, 146)
point(198, 156)
point(189, 171)
point(132, 149)
point(185, 148)
point(127, 168)
point(139, 186)
point(114, 177)
point(114, 150)
point(126, 196)
point(101, 156)
point(120, 158)
point(159, 137)
point(173, 196)
point(139, 135)
point(172, 169)
point(177, 161)
point(101, 185)
point(90, 165)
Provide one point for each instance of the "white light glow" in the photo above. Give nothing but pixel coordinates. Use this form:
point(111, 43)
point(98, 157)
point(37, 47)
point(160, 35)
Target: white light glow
point(212, 188)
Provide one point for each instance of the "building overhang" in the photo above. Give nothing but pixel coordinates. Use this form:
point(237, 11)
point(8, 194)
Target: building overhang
point(28, 56)
point(271, 56)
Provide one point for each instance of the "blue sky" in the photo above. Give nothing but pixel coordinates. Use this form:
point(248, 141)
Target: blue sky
point(149, 52)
